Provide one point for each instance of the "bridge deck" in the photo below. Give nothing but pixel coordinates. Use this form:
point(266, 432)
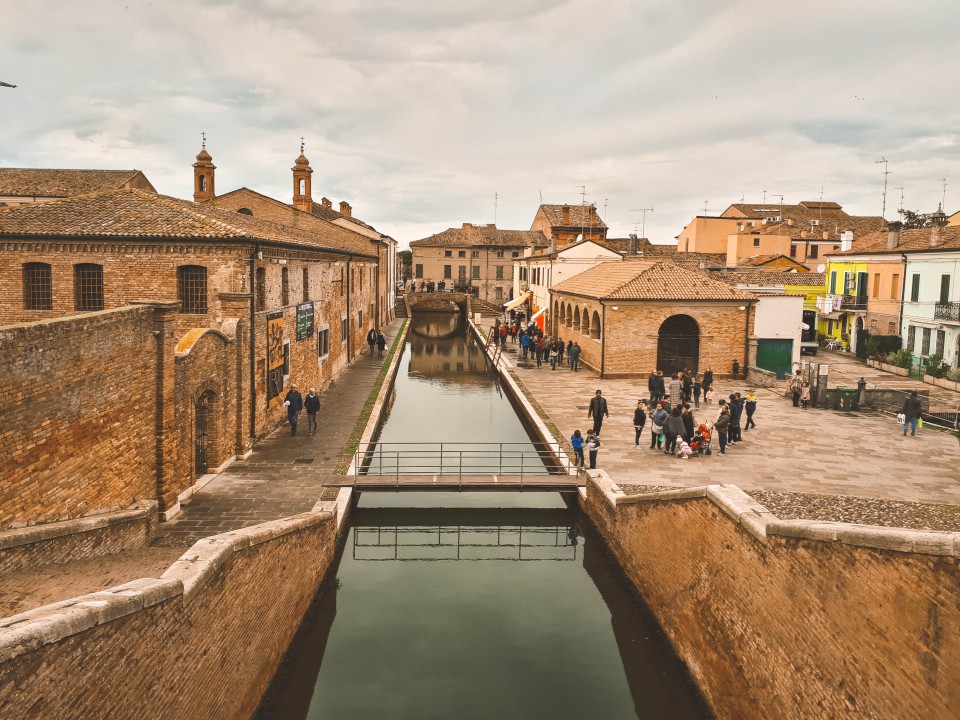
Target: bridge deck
point(458, 483)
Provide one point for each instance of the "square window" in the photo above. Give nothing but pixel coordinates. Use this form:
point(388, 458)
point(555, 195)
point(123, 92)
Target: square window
point(37, 287)
point(448, 253)
point(323, 342)
point(88, 287)
point(461, 253)
point(192, 289)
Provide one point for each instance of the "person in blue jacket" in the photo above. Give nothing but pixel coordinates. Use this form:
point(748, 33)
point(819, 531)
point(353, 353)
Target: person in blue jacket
point(576, 441)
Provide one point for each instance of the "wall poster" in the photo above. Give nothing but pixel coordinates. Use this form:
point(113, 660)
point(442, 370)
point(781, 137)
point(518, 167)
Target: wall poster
point(274, 357)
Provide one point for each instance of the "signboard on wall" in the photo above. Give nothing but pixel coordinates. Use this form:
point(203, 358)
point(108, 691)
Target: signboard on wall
point(274, 357)
point(304, 320)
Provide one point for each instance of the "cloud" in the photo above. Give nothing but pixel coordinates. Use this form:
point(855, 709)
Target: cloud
point(418, 112)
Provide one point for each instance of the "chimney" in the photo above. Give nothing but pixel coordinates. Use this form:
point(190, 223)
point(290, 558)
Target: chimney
point(326, 203)
point(565, 215)
point(633, 243)
point(846, 240)
point(893, 235)
point(345, 209)
point(826, 235)
point(938, 222)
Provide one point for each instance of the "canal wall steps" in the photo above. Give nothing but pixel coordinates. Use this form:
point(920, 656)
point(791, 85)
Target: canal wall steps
point(791, 618)
point(213, 629)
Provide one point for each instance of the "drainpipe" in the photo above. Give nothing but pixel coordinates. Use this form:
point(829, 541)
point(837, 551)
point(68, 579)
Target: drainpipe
point(346, 280)
point(603, 345)
point(377, 288)
point(746, 341)
point(903, 296)
point(253, 343)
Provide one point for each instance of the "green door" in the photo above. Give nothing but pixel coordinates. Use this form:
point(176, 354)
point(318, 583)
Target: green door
point(775, 356)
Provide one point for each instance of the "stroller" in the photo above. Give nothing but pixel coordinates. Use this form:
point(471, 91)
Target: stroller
point(701, 440)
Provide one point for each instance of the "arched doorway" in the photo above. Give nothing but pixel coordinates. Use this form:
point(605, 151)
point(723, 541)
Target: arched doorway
point(204, 433)
point(678, 345)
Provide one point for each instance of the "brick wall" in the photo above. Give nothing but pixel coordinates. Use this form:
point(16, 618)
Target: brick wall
point(203, 641)
point(630, 333)
point(785, 627)
point(77, 414)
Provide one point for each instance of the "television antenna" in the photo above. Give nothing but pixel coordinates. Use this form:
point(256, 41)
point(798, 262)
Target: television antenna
point(883, 161)
point(943, 198)
point(495, 208)
point(901, 195)
point(643, 220)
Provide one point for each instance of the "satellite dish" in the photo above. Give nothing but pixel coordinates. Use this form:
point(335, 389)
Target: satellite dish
point(579, 237)
point(821, 267)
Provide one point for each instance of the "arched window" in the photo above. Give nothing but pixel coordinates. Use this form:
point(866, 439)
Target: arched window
point(245, 211)
point(37, 286)
point(261, 289)
point(595, 326)
point(585, 322)
point(88, 287)
point(203, 183)
point(302, 186)
point(192, 289)
point(284, 286)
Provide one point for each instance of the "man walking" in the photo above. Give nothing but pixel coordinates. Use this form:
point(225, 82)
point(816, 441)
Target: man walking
point(912, 409)
point(312, 405)
point(575, 357)
point(598, 411)
point(751, 408)
point(294, 402)
point(372, 339)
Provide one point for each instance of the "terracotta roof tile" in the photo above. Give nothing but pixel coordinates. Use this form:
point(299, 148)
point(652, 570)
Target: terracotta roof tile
point(484, 235)
point(580, 216)
point(766, 278)
point(644, 246)
point(646, 279)
point(136, 213)
point(43, 182)
point(916, 240)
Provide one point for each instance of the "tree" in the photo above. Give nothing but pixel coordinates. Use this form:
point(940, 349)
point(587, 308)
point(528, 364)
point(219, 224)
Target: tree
point(913, 220)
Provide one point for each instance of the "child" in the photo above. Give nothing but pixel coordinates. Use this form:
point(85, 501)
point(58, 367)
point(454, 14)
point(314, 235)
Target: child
point(685, 451)
point(577, 442)
point(805, 395)
point(593, 447)
point(710, 396)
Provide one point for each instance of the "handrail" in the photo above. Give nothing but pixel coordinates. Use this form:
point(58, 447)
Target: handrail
point(413, 458)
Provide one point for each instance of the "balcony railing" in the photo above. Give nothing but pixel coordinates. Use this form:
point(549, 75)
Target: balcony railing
point(949, 311)
point(852, 302)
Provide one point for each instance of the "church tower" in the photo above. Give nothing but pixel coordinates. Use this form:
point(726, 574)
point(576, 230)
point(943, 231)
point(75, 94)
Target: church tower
point(203, 170)
point(302, 198)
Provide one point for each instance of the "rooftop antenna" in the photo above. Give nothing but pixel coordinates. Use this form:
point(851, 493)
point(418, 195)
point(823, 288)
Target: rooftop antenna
point(820, 210)
point(901, 196)
point(706, 204)
point(943, 198)
point(883, 161)
point(495, 198)
point(541, 196)
point(643, 220)
point(764, 197)
point(605, 209)
point(301, 144)
point(203, 141)
point(742, 196)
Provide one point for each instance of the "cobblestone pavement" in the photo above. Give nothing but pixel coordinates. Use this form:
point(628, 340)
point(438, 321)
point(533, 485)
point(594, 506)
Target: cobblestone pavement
point(284, 475)
point(847, 369)
point(819, 451)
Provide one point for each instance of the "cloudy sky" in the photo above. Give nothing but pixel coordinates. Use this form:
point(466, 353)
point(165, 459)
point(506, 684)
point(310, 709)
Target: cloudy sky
point(418, 112)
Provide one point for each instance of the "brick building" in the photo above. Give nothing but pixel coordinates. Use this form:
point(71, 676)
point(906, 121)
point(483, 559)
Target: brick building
point(564, 224)
point(476, 258)
point(634, 316)
point(184, 323)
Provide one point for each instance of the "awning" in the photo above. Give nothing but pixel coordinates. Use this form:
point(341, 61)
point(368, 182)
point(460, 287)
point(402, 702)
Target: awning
point(538, 313)
point(511, 304)
point(831, 316)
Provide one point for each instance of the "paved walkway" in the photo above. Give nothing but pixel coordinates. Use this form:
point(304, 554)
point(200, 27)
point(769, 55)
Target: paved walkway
point(820, 451)
point(847, 369)
point(284, 475)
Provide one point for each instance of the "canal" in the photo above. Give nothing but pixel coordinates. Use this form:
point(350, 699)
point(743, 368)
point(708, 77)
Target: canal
point(487, 605)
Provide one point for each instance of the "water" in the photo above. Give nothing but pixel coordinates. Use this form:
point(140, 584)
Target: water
point(474, 606)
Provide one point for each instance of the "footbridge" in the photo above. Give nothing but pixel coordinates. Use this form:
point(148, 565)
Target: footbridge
point(461, 467)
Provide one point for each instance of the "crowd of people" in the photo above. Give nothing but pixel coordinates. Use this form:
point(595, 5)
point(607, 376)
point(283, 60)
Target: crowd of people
point(536, 346)
point(668, 415)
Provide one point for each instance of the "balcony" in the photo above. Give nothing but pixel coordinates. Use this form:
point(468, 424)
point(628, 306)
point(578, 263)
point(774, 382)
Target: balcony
point(949, 311)
point(852, 302)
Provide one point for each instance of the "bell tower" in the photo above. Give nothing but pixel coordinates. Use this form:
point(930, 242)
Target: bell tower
point(203, 170)
point(302, 198)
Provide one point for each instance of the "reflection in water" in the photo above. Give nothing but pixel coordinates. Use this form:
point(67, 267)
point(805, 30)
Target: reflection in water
point(428, 637)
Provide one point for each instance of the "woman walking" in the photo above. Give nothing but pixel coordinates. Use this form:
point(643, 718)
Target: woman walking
point(697, 388)
point(639, 420)
point(657, 421)
point(721, 426)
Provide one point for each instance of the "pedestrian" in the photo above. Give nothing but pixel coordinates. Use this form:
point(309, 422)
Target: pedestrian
point(524, 345)
point(372, 339)
point(675, 389)
point(598, 411)
point(688, 422)
point(708, 379)
point(709, 396)
point(639, 420)
point(569, 353)
point(294, 402)
point(672, 430)
point(721, 426)
point(575, 357)
point(736, 369)
point(560, 348)
point(554, 355)
point(661, 388)
point(537, 350)
point(593, 447)
point(733, 433)
point(657, 421)
point(311, 404)
point(687, 387)
point(697, 389)
point(805, 394)
point(576, 441)
point(652, 386)
point(796, 386)
point(912, 409)
point(503, 334)
point(381, 343)
point(667, 403)
point(750, 407)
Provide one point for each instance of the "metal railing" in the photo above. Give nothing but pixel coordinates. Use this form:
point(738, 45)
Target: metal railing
point(461, 459)
point(942, 411)
point(853, 302)
point(949, 311)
